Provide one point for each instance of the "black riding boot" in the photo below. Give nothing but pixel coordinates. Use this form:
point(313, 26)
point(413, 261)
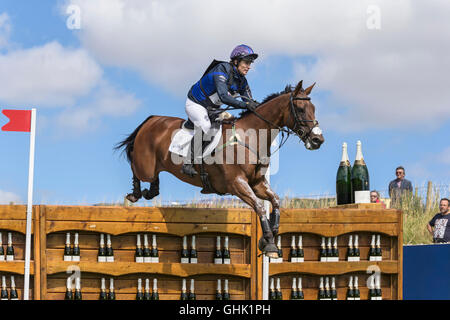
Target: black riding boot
point(188, 166)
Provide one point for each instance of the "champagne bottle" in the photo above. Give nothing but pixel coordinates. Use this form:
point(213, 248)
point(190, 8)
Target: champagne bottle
point(327, 289)
point(2, 251)
point(278, 294)
point(218, 253)
point(4, 294)
point(139, 294)
point(272, 294)
point(226, 294)
point(147, 294)
point(184, 251)
point(323, 251)
point(69, 294)
point(378, 253)
point(356, 249)
point(360, 174)
point(226, 252)
point(372, 291)
point(13, 292)
point(109, 249)
point(344, 179)
point(293, 251)
point(334, 251)
point(10, 248)
point(103, 294)
point(67, 251)
point(356, 293)
point(155, 252)
point(329, 251)
point(300, 294)
point(300, 253)
point(111, 293)
point(155, 294)
point(350, 292)
point(184, 295)
point(78, 295)
point(76, 249)
point(280, 251)
point(139, 254)
point(372, 251)
point(378, 288)
point(219, 290)
point(193, 257)
point(101, 250)
point(350, 250)
point(294, 293)
point(322, 295)
point(333, 289)
point(147, 251)
point(191, 291)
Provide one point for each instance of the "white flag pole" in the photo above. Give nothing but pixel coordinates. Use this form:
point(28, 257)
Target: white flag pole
point(26, 287)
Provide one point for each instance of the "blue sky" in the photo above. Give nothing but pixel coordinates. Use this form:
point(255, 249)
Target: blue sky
point(92, 86)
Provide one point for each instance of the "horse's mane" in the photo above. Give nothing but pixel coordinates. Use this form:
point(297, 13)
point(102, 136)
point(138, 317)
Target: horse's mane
point(272, 96)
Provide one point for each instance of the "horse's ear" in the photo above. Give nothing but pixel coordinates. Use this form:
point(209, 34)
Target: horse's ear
point(298, 88)
point(309, 89)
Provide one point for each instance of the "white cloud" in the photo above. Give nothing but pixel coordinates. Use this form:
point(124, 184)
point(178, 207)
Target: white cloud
point(5, 29)
point(106, 101)
point(48, 75)
point(392, 77)
point(7, 197)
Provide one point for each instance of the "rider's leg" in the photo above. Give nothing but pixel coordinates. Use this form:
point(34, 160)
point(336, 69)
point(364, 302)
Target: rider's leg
point(199, 116)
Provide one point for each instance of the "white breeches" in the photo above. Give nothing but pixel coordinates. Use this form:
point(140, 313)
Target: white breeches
point(198, 115)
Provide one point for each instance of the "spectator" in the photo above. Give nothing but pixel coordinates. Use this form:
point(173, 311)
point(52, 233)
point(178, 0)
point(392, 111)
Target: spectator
point(375, 198)
point(441, 232)
point(399, 186)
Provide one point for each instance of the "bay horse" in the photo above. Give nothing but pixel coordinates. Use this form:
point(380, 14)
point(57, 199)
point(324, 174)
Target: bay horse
point(289, 111)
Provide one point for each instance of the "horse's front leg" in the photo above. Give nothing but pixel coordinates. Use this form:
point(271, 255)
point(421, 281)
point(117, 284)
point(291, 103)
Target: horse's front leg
point(242, 189)
point(263, 191)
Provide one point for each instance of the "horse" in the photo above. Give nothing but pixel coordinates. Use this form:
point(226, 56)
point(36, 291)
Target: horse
point(289, 111)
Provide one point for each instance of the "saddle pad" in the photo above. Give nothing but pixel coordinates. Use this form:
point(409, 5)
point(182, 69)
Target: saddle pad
point(181, 141)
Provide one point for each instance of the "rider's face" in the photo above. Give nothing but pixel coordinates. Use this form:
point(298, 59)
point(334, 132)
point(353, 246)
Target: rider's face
point(243, 67)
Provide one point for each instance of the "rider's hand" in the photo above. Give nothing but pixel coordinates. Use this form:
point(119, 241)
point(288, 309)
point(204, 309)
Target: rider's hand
point(251, 105)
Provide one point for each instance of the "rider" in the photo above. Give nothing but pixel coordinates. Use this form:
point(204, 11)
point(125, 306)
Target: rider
point(219, 85)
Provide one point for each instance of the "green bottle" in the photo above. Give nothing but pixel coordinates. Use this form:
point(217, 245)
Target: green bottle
point(219, 290)
point(103, 294)
point(294, 292)
point(360, 174)
point(344, 193)
point(184, 295)
point(139, 294)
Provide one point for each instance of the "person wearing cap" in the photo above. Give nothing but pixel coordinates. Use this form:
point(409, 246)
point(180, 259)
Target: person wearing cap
point(222, 83)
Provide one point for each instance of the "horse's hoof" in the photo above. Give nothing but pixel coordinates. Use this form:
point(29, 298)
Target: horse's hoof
point(270, 250)
point(130, 197)
point(149, 194)
point(262, 243)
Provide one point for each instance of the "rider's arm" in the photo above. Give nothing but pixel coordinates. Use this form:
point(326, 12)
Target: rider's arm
point(220, 80)
point(246, 92)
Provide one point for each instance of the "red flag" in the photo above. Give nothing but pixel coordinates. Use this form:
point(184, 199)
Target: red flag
point(20, 120)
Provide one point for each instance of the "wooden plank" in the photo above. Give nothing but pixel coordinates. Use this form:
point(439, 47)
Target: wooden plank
point(16, 267)
point(14, 225)
point(360, 206)
point(37, 253)
point(43, 244)
point(13, 212)
point(333, 230)
point(176, 269)
point(338, 216)
point(331, 268)
point(400, 257)
point(148, 214)
point(117, 228)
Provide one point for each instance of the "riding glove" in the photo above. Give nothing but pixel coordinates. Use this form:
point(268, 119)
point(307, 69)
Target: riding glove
point(252, 104)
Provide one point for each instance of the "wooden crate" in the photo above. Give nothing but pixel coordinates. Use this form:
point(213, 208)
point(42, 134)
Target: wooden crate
point(341, 221)
point(170, 225)
point(13, 219)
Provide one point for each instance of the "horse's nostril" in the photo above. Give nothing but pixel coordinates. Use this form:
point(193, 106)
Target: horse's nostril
point(316, 141)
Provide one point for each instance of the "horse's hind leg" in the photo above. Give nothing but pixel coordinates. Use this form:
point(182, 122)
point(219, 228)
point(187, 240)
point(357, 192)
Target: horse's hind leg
point(154, 190)
point(136, 194)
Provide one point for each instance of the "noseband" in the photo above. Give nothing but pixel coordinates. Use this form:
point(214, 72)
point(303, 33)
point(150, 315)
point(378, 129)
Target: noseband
point(298, 129)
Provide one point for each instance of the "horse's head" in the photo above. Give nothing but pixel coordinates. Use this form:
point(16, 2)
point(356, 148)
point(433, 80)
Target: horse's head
point(301, 117)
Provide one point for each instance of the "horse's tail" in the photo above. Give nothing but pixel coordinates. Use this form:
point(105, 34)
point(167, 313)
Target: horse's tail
point(129, 141)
